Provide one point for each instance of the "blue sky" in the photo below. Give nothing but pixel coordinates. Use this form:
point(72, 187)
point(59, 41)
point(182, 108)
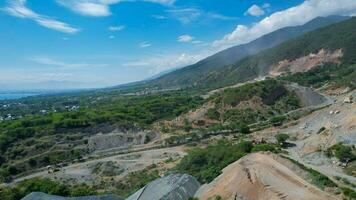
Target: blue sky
point(98, 43)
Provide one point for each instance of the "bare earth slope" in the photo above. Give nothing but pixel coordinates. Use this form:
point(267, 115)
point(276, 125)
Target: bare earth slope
point(260, 176)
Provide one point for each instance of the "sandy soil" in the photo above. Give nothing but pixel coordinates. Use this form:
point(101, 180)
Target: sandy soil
point(260, 176)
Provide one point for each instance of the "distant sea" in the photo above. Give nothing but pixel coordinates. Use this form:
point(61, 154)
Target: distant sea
point(9, 96)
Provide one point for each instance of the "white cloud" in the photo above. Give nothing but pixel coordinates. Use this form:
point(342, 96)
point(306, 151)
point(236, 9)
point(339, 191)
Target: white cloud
point(185, 15)
point(293, 16)
point(161, 17)
point(18, 8)
point(163, 2)
point(160, 63)
point(101, 8)
point(136, 64)
point(255, 10)
point(188, 38)
point(92, 9)
point(48, 61)
point(221, 17)
point(185, 38)
point(116, 28)
point(190, 15)
point(144, 44)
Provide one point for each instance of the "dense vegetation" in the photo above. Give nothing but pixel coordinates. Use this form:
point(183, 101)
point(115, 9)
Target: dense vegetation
point(205, 164)
point(44, 185)
point(332, 74)
point(259, 101)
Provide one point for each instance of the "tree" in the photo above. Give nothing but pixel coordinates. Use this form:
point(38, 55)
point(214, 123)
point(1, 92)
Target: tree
point(32, 162)
point(281, 138)
point(13, 170)
point(343, 152)
point(244, 129)
point(240, 127)
point(278, 120)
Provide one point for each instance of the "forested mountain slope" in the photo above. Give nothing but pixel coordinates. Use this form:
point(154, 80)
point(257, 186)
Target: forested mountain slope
point(207, 69)
point(336, 37)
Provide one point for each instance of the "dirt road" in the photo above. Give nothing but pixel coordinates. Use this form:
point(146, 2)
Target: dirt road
point(82, 172)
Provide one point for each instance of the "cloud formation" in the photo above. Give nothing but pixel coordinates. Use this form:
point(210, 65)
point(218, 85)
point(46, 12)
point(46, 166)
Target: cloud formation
point(162, 62)
point(18, 8)
point(160, 17)
point(116, 28)
point(185, 38)
point(190, 15)
point(101, 8)
point(255, 10)
point(48, 61)
point(293, 16)
point(144, 44)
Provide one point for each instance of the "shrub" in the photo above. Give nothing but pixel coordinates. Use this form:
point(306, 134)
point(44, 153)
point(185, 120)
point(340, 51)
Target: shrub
point(240, 127)
point(213, 114)
point(206, 164)
point(278, 120)
point(265, 147)
point(351, 194)
point(282, 138)
point(341, 151)
point(321, 129)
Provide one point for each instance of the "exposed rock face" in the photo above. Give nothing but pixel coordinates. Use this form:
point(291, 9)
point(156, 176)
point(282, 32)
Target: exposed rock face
point(171, 187)
point(119, 140)
point(308, 96)
point(307, 62)
point(43, 196)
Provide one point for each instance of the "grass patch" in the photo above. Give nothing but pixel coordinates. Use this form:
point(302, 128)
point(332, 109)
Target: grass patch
point(317, 178)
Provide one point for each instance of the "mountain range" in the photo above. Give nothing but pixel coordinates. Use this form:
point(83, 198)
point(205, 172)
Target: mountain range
point(233, 64)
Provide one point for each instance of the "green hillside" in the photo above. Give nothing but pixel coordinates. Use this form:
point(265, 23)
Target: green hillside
point(341, 35)
point(191, 75)
point(337, 36)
